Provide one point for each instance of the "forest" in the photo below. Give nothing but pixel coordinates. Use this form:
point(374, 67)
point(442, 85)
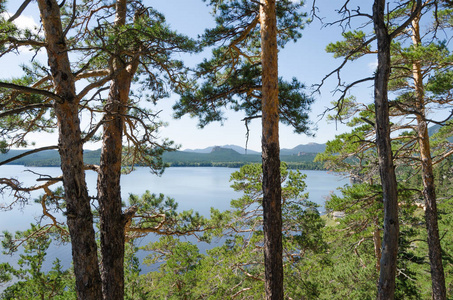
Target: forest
point(109, 62)
point(220, 157)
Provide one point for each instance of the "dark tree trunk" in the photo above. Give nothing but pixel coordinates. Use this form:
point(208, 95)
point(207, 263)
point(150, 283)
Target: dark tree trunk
point(109, 195)
point(386, 285)
point(271, 154)
point(79, 216)
point(109, 191)
point(112, 221)
point(429, 190)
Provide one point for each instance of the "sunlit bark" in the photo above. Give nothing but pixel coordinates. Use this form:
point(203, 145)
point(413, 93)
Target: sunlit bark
point(271, 154)
point(78, 209)
point(429, 190)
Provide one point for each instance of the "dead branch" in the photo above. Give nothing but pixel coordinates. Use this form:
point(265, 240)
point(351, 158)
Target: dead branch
point(29, 90)
point(27, 153)
point(19, 10)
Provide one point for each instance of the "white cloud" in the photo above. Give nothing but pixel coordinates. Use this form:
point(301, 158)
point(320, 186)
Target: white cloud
point(26, 22)
point(23, 22)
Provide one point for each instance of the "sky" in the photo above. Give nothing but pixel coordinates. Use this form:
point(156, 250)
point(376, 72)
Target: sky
point(306, 60)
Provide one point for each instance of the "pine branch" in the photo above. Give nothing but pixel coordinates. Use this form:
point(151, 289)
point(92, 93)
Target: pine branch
point(27, 153)
point(24, 108)
point(408, 21)
point(29, 90)
point(17, 42)
point(19, 11)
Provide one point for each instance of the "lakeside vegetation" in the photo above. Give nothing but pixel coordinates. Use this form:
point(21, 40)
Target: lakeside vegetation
point(336, 253)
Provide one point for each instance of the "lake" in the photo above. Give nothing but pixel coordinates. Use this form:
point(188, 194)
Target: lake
point(197, 188)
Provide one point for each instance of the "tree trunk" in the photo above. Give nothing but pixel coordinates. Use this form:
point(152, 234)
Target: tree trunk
point(377, 241)
point(78, 210)
point(272, 212)
point(109, 195)
point(112, 221)
point(386, 285)
point(429, 190)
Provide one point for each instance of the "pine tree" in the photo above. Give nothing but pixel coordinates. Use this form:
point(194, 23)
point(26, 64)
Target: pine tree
point(138, 45)
point(243, 75)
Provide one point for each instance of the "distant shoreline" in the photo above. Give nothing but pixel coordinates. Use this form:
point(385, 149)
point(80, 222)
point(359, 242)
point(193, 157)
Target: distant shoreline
point(309, 166)
point(218, 157)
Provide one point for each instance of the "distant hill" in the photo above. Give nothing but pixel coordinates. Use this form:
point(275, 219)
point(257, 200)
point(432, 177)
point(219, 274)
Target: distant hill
point(48, 158)
point(219, 156)
point(300, 156)
point(308, 148)
point(226, 157)
point(236, 148)
point(435, 128)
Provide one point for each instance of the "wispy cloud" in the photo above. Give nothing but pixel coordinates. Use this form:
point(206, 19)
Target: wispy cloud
point(22, 22)
point(26, 22)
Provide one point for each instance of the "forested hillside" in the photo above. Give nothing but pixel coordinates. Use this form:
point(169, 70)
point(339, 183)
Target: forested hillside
point(219, 157)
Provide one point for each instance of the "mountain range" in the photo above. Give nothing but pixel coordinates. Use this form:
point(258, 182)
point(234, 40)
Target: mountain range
point(307, 148)
point(301, 156)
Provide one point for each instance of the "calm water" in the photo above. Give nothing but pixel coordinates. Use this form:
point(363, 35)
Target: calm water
point(193, 188)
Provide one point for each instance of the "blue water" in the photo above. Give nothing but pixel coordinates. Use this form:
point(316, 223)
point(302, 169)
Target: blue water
point(196, 188)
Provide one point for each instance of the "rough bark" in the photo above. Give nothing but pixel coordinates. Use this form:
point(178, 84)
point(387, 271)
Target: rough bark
point(271, 154)
point(112, 222)
point(386, 285)
point(79, 216)
point(429, 190)
point(109, 196)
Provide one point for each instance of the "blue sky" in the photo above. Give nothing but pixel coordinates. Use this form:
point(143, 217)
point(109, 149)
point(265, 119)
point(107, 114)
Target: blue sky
point(306, 60)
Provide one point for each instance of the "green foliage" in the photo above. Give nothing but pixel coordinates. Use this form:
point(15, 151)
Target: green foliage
point(133, 289)
point(353, 45)
point(177, 274)
point(440, 83)
point(31, 281)
point(157, 214)
point(344, 273)
point(231, 79)
point(221, 158)
point(362, 205)
point(23, 113)
point(235, 269)
point(354, 152)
